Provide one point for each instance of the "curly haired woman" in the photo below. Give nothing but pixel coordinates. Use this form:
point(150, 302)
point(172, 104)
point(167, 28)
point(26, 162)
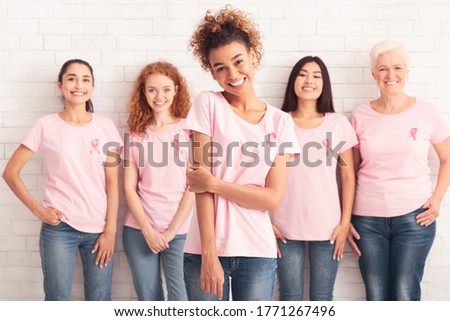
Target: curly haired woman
point(231, 244)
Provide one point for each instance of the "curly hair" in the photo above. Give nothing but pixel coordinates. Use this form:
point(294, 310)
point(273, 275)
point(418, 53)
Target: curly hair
point(141, 112)
point(224, 27)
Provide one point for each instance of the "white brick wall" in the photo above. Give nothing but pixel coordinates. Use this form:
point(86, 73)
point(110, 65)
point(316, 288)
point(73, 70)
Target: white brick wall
point(119, 36)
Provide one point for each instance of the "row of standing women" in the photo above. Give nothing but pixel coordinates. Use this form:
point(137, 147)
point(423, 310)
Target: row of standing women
point(263, 180)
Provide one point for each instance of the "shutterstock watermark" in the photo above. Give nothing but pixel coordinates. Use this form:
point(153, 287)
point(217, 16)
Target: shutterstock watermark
point(215, 154)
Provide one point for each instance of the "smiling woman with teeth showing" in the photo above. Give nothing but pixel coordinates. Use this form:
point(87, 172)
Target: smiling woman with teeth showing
point(80, 207)
point(396, 206)
point(240, 167)
point(159, 204)
point(310, 216)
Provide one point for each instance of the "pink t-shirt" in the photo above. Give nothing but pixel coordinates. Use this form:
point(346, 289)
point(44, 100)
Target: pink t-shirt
point(394, 176)
point(74, 157)
point(241, 156)
point(311, 210)
point(162, 163)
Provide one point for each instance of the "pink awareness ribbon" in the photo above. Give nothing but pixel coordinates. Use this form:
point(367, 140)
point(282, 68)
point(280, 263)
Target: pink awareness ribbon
point(94, 144)
point(326, 143)
point(176, 144)
point(272, 137)
point(413, 133)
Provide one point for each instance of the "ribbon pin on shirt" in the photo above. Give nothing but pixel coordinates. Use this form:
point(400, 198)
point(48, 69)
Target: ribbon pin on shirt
point(412, 133)
point(94, 144)
point(326, 143)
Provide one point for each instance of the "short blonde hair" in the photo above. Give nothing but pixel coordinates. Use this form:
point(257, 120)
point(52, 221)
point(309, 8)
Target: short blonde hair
point(388, 45)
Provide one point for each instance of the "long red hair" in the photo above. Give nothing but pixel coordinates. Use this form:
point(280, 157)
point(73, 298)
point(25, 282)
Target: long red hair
point(140, 111)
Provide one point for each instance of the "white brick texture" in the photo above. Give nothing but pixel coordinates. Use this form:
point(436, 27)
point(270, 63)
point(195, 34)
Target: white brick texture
point(118, 37)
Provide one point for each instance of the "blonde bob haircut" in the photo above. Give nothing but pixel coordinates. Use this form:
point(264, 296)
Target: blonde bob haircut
point(388, 45)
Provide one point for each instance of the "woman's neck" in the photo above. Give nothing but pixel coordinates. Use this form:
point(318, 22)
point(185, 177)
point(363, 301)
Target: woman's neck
point(162, 121)
point(306, 109)
point(306, 115)
point(76, 115)
point(249, 107)
point(245, 103)
point(392, 104)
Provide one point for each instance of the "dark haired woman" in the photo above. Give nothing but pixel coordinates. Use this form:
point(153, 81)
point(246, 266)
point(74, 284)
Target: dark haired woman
point(81, 202)
point(311, 213)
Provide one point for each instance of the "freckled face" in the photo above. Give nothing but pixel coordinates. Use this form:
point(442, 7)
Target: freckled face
point(160, 92)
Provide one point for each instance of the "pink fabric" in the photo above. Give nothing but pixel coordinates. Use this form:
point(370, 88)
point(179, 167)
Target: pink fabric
point(239, 231)
point(74, 157)
point(162, 169)
point(311, 209)
point(394, 176)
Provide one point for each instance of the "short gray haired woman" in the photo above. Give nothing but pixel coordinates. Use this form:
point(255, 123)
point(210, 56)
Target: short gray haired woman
point(396, 206)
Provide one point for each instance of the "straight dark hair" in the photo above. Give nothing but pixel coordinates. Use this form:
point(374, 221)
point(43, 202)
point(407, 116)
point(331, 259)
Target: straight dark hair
point(325, 101)
point(65, 66)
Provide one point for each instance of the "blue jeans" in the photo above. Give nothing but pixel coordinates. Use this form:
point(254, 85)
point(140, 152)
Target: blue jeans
point(251, 278)
point(323, 270)
point(146, 267)
point(394, 251)
point(58, 246)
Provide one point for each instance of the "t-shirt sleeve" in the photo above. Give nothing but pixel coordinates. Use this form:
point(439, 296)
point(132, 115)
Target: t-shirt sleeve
point(185, 148)
point(354, 124)
point(115, 135)
point(348, 135)
point(33, 139)
point(114, 143)
point(288, 143)
point(440, 131)
point(129, 148)
point(199, 118)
